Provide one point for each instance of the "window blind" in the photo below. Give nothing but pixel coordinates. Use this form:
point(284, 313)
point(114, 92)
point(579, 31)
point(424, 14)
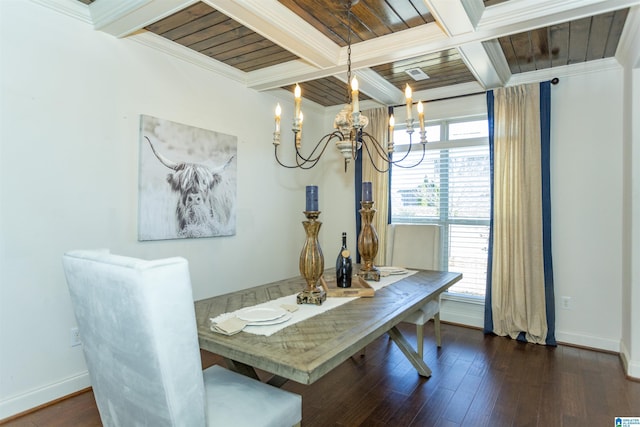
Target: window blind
point(451, 188)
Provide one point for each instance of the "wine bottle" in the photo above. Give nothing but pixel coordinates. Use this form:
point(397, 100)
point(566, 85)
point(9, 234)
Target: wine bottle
point(344, 265)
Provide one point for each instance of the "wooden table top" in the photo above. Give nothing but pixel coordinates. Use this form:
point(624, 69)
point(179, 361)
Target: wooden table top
point(307, 350)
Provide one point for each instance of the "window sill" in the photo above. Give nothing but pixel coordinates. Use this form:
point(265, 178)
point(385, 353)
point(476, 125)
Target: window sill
point(468, 299)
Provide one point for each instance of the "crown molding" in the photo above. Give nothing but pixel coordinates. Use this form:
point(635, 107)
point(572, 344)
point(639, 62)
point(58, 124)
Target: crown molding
point(564, 71)
point(121, 18)
point(176, 50)
point(73, 9)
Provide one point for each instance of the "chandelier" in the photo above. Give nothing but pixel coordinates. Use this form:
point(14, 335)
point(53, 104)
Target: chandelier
point(349, 135)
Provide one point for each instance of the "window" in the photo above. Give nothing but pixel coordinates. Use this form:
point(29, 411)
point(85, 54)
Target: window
point(451, 187)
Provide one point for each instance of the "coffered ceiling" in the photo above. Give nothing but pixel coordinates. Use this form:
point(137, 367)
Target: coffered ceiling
point(463, 46)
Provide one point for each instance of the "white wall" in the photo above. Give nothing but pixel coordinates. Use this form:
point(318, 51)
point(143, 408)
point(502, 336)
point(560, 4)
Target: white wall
point(586, 180)
point(70, 105)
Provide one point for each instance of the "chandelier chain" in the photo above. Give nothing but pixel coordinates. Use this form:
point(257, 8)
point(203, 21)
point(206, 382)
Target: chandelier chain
point(349, 136)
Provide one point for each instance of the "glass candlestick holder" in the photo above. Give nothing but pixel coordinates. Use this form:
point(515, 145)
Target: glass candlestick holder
point(311, 262)
point(368, 243)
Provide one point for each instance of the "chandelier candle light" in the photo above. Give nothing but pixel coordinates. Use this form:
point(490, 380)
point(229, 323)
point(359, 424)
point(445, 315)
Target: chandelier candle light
point(368, 238)
point(349, 135)
point(311, 258)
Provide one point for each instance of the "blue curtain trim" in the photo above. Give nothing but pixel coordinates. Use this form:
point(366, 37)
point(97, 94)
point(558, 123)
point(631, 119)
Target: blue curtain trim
point(488, 313)
point(545, 147)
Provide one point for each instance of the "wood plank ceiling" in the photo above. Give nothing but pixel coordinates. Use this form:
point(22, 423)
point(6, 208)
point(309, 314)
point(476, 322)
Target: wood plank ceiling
point(203, 28)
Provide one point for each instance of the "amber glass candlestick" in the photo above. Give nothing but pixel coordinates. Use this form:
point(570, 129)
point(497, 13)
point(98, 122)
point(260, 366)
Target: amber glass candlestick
point(368, 242)
point(311, 262)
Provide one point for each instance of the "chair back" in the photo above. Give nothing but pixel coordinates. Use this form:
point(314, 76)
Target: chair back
point(414, 246)
point(137, 325)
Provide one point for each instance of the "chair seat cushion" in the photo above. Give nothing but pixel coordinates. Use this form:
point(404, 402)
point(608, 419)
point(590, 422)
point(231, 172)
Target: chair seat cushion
point(424, 313)
point(235, 400)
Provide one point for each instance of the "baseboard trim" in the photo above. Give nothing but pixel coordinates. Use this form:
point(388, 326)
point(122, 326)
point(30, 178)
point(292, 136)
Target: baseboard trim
point(588, 341)
point(631, 367)
point(31, 400)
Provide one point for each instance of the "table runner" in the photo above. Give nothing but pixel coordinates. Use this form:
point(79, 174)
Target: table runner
point(305, 311)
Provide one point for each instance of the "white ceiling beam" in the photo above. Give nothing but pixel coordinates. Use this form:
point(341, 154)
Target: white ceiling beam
point(487, 63)
point(628, 52)
point(405, 44)
point(516, 16)
point(121, 18)
point(464, 24)
point(456, 16)
point(276, 22)
point(376, 87)
point(430, 38)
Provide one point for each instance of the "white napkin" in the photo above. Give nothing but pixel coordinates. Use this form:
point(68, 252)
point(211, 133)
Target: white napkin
point(229, 326)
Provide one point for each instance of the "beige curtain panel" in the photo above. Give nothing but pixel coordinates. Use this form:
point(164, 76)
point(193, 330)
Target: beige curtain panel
point(517, 286)
point(378, 119)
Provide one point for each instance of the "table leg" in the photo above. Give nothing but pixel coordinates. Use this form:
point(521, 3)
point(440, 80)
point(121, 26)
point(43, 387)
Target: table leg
point(249, 371)
point(409, 352)
point(242, 368)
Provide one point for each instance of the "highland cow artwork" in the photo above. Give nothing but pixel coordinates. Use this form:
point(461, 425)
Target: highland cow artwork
point(187, 182)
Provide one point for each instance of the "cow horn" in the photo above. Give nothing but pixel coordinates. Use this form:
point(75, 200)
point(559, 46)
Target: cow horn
point(220, 169)
point(168, 163)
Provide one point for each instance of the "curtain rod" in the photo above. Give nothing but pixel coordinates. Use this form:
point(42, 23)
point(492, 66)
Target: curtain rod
point(554, 81)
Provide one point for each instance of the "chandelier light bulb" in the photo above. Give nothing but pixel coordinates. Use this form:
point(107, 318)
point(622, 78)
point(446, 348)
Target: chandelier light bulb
point(354, 95)
point(407, 94)
point(278, 113)
point(297, 95)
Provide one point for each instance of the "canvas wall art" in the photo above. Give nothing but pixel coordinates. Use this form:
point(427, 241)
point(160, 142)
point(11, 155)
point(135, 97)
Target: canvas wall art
point(187, 181)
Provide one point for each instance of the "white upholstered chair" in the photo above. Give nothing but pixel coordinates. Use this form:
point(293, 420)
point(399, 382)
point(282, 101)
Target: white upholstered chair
point(417, 246)
point(137, 324)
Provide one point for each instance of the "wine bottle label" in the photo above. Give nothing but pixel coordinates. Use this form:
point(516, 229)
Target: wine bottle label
point(345, 253)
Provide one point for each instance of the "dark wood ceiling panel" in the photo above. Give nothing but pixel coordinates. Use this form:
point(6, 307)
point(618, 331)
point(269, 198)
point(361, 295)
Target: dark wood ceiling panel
point(597, 45)
point(488, 3)
point(560, 41)
point(617, 25)
point(327, 91)
point(573, 42)
point(209, 32)
point(189, 20)
point(445, 66)
point(578, 40)
point(369, 18)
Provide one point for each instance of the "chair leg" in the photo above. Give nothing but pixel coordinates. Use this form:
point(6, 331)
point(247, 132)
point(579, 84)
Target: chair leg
point(420, 339)
point(436, 326)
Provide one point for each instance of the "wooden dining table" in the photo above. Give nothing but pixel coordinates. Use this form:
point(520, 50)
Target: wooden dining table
point(307, 350)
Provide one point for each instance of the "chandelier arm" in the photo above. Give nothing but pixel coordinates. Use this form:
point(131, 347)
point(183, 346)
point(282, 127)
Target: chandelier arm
point(379, 149)
point(327, 138)
point(286, 166)
point(310, 158)
point(424, 149)
point(373, 163)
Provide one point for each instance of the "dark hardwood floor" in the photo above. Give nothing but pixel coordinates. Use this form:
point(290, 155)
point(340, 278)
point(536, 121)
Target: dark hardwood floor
point(477, 380)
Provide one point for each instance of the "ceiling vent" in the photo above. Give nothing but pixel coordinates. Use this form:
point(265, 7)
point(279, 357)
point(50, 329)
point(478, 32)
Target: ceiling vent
point(417, 74)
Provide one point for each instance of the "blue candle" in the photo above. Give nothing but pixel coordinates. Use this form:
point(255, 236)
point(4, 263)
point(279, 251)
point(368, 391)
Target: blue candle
point(312, 198)
point(367, 192)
